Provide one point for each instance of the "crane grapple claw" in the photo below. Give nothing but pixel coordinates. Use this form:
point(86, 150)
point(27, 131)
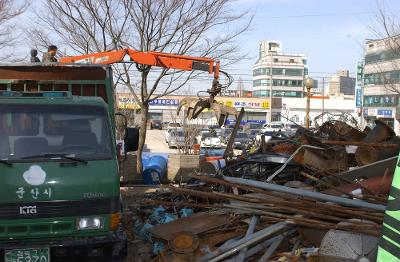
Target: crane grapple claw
point(194, 106)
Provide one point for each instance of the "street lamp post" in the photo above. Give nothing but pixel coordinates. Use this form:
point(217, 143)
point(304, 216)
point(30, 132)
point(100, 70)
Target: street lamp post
point(309, 84)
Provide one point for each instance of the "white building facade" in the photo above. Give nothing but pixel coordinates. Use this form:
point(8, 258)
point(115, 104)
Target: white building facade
point(283, 73)
point(382, 82)
point(294, 109)
point(278, 73)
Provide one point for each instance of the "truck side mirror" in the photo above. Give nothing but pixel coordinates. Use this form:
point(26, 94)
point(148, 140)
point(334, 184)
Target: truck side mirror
point(131, 139)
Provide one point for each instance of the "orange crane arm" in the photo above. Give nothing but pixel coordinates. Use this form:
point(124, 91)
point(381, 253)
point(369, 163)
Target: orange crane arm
point(164, 60)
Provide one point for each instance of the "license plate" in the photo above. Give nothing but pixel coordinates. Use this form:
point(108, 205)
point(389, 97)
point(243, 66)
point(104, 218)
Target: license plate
point(27, 255)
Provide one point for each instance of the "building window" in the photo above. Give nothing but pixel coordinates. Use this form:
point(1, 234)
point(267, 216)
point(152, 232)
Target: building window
point(278, 71)
point(296, 118)
point(276, 60)
point(293, 72)
point(261, 71)
point(390, 77)
point(278, 82)
point(382, 56)
point(291, 60)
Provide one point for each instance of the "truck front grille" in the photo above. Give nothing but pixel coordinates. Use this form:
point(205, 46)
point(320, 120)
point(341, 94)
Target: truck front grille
point(34, 230)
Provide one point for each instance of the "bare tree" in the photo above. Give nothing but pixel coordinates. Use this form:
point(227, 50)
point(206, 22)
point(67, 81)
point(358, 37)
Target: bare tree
point(9, 10)
point(203, 28)
point(387, 28)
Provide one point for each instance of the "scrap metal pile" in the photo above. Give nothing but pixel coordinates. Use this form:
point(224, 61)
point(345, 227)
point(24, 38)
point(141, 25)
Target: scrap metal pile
point(318, 196)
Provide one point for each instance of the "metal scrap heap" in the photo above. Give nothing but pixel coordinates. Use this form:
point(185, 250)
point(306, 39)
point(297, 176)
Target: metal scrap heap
point(317, 196)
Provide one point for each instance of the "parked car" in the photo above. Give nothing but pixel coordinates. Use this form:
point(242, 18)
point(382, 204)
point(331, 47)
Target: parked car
point(270, 135)
point(214, 127)
point(210, 139)
point(176, 138)
point(168, 132)
point(291, 129)
point(242, 140)
point(253, 133)
point(231, 126)
point(173, 125)
point(250, 126)
point(170, 127)
point(273, 126)
point(155, 124)
point(225, 134)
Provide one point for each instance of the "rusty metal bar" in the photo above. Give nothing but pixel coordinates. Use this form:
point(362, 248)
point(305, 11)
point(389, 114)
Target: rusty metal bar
point(229, 145)
point(250, 230)
point(271, 249)
point(290, 202)
point(221, 253)
point(358, 143)
point(309, 194)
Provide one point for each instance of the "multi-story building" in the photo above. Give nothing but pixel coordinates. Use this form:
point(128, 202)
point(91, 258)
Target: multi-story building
point(342, 84)
point(382, 81)
point(279, 73)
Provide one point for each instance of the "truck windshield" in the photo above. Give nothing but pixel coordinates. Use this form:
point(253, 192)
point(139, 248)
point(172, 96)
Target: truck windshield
point(40, 130)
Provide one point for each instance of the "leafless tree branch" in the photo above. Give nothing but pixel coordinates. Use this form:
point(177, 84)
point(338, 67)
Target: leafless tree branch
point(9, 35)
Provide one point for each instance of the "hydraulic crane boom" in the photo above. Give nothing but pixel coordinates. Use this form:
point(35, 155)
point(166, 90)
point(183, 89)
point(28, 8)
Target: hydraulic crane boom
point(172, 61)
point(193, 106)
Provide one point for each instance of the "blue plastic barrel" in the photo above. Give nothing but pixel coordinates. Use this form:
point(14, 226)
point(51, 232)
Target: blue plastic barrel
point(154, 169)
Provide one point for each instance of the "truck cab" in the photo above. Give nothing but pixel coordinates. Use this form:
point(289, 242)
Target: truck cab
point(59, 189)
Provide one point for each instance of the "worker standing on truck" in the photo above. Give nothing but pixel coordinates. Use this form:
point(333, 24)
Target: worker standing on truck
point(50, 55)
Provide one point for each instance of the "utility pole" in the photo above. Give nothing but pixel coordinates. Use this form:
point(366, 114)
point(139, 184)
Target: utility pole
point(360, 84)
point(309, 85)
point(270, 87)
point(323, 98)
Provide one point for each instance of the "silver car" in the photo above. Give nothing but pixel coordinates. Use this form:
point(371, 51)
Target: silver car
point(242, 140)
point(176, 138)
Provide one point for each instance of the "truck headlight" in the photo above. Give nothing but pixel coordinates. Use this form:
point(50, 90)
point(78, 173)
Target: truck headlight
point(85, 223)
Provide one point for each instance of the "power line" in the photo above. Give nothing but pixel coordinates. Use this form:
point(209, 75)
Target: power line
point(317, 15)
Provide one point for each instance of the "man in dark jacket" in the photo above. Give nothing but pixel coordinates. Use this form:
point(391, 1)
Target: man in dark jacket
point(50, 55)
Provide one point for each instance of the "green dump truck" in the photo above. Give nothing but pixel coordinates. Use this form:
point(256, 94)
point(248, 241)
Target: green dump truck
point(59, 181)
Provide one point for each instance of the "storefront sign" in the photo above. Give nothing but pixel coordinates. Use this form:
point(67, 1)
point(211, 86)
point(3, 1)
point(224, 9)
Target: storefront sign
point(164, 102)
point(385, 112)
point(370, 112)
point(130, 103)
point(127, 103)
point(243, 122)
point(248, 104)
point(358, 96)
point(378, 112)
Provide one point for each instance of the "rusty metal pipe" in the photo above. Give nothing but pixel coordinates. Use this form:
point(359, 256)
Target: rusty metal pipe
point(358, 143)
point(381, 132)
point(268, 253)
point(367, 154)
point(250, 230)
point(221, 253)
point(305, 193)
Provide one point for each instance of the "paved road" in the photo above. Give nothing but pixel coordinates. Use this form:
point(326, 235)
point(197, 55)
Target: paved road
point(155, 142)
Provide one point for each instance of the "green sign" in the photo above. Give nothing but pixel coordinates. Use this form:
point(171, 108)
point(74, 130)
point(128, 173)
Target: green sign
point(360, 71)
point(27, 254)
